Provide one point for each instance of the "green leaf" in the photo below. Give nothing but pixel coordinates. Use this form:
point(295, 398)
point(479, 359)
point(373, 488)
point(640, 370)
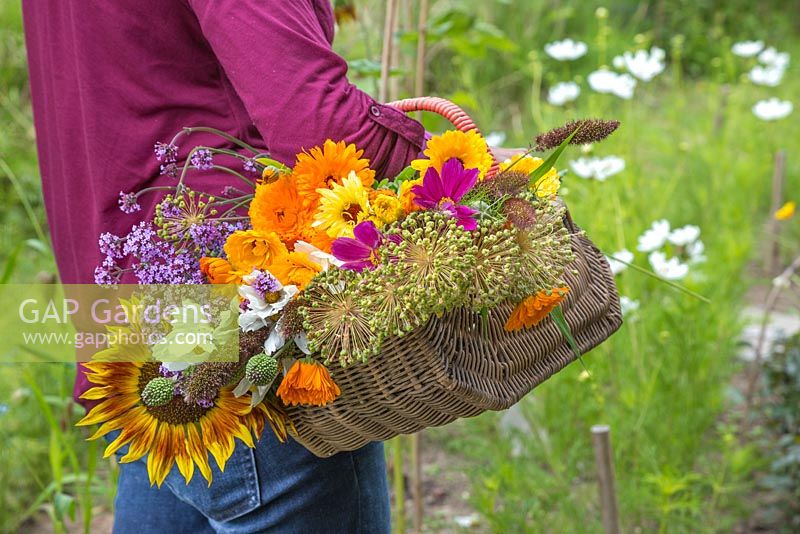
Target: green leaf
point(550, 162)
point(561, 322)
point(64, 506)
point(406, 174)
point(11, 264)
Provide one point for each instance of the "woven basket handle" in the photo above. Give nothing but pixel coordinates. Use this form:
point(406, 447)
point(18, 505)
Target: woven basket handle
point(457, 116)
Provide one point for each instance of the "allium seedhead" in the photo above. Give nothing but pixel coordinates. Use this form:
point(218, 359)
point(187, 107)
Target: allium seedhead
point(291, 319)
point(261, 369)
point(497, 265)
point(158, 392)
point(520, 213)
point(589, 131)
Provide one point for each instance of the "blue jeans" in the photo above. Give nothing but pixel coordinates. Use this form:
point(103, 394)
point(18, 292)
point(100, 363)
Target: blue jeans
point(276, 487)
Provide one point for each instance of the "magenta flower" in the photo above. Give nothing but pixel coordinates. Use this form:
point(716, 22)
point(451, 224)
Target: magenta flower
point(444, 191)
point(359, 253)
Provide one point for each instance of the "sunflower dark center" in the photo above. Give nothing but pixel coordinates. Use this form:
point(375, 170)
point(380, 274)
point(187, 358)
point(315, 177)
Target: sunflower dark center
point(175, 411)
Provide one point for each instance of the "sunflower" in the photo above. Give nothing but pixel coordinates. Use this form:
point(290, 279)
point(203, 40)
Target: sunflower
point(295, 268)
point(342, 207)
point(308, 382)
point(533, 309)
point(322, 167)
point(546, 186)
point(468, 147)
point(279, 207)
point(175, 432)
point(253, 249)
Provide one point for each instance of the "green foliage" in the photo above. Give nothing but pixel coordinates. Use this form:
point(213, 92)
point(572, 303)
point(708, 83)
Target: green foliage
point(782, 412)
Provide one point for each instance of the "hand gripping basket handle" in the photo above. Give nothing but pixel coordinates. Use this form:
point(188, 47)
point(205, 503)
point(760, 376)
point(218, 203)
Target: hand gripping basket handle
point(449, 111)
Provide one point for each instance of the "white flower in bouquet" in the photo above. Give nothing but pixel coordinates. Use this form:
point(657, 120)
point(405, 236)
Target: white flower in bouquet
point(685, 235)
point(773, 58)
point(617, 266)
point(277, 339)
point(654, 237)
point(320, 257)
point(599, 169)
point(563, 92)
point(643, 64)
point(772, 109)
point(769, 76)
point(566, 50)
point(669, 269)
point(747, 48)
point(264, 297)
point(606, 81)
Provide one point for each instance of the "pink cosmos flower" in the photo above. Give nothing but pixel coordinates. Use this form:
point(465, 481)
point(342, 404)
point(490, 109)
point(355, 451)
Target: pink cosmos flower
point(444, 191)
point(359, 253)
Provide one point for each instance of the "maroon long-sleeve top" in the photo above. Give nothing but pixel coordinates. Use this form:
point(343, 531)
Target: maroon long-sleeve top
point(110, 78)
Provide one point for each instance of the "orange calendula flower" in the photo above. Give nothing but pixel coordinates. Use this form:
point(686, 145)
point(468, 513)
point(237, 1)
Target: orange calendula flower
point(330, 164)
point(786, 211)
point(407, 197)
point(278, 207)
point(220, 271)
point(295, 268)
point(308, 383)
point(253, 249)
point(321, 240)
point(533, 309)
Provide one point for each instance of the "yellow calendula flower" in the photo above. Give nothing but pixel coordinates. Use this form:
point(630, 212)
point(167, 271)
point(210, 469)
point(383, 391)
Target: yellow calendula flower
point(468, 147)
point(387, 209)
point(786, 211)
point(342, 207)
point(407, 197)
point(546, 186)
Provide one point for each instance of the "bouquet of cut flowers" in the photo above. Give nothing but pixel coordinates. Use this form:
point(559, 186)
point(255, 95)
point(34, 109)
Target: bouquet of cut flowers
point(328, 262)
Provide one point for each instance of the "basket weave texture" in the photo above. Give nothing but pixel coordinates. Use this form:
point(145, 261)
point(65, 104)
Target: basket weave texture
point(455, 366)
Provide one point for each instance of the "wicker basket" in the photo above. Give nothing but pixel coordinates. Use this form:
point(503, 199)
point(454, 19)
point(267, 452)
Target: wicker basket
point(451, 368)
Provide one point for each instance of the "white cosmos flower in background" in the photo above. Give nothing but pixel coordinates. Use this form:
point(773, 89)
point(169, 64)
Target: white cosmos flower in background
point(566, 50)
point(670, 269)
point(772, 109)
point(747, 48)
point(770, 76)
point(563, 92)
point(654, 237)
point(684, 235)
point(696, 252)
point(643, 64)
point(618, 267)
point(496, 138)
point(606, 81)
point(773, 58)
point(259, 311)
point(599, 169)
point(628, 305)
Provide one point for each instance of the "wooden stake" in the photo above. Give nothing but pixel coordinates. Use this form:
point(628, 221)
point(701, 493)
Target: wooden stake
point(389, 26)
point(778, 180)
point(422, 38)
point(416, 479)
point(601, 439)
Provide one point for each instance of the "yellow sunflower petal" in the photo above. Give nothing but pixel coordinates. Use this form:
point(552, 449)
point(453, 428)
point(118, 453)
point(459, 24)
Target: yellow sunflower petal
point(198, 453)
